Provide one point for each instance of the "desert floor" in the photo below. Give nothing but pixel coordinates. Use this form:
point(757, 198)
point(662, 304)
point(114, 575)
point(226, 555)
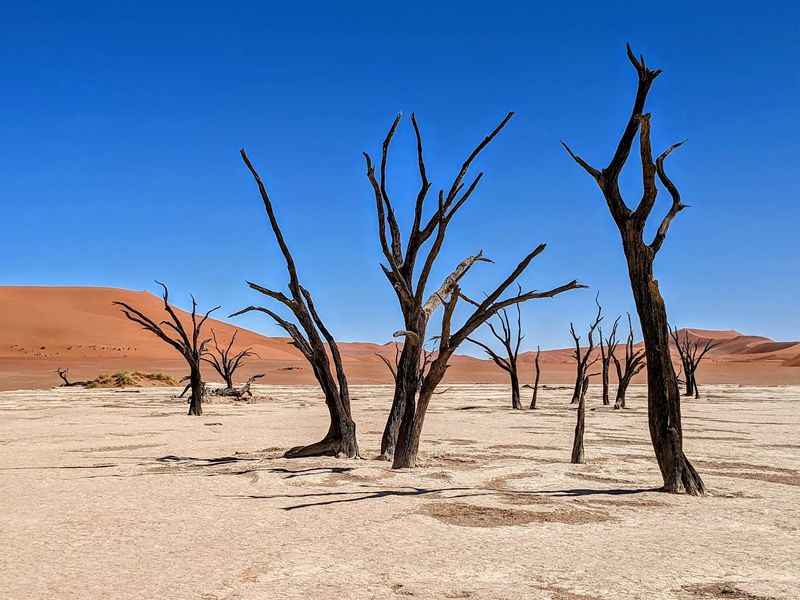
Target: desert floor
point(117, 494)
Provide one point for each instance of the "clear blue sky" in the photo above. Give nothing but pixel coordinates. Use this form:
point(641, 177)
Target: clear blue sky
point(121, 124)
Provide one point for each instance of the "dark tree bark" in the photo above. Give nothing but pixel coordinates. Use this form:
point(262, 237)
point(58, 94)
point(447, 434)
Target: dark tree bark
point(633, 363)
point(691, 353)
point(511, 342)
point(584, 359)
point(537, 372)
point(187, 344)
point(586, 379)
point(577, 457)
point(224, 362)
point(664, 408)
point(404, 425)
point(340, 440)
point(608, 347)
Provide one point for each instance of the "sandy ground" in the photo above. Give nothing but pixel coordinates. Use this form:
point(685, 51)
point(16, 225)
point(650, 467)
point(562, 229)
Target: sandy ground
point(117, 494)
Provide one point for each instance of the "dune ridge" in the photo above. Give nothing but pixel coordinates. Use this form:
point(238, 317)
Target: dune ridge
point(45, 328)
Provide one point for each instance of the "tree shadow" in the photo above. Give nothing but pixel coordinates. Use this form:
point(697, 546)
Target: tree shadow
point(361, 495)
point(409, 491)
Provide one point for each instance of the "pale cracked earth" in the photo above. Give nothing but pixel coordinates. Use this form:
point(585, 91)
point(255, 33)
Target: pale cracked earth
point(117, 494)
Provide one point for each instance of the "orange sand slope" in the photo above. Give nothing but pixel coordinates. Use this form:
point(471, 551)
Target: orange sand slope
point(44, 328)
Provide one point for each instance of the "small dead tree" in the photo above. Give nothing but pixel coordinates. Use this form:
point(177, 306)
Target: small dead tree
point(536, 373)
point(663, 396)
point(584, 358)
point(187, 343)
point(608, 347)
point(691, 353)
point(404, 424)
point(64, 375)
point(633, 363)
point(340, 440)
point(511, 342)
point(224, 362)
point(239, 393)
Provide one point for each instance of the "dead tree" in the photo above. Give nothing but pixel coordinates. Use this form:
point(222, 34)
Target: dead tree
point(187, 343)
point(577, 441)
point(63, 374)
point(340, 440)
point(633, 363)
point(224, 362)
point(584, 358)
point(404, 424)
point(663, 396)
point(239, 393)
point(691, 352)
point(511, 342)
point(608, 347)
point(537, 372)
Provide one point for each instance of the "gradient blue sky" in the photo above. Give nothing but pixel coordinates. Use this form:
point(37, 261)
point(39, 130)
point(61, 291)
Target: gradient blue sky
point(121, 124)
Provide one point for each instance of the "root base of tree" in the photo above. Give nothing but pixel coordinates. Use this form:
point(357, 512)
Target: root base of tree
point(336, 447)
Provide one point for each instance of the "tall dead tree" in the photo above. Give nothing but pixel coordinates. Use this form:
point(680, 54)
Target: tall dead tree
point(608, 347)
point(224, 362)
point(584, 357)
point(187, 343)
point(340, 440)
point(691, 353)
point(511, 342)
point(536, 373)
point(633, 363)
point(663, 396)
point(404, 424)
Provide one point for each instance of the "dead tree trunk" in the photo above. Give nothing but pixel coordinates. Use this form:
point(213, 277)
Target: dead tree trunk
point(198, 391)
point(664, 407)
point(187, 344)
point(537, 372)
point(224, 362)
point(511, 342)
point(691, 353)
point(634, 362)
point(584, 359)
point(577, 457)
point(340, 440)
point(404, 425)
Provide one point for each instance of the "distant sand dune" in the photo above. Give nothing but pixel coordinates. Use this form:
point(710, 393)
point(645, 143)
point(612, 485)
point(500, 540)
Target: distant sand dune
point(44, 328)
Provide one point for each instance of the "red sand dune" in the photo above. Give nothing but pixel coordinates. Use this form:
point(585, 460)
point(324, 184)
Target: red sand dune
point(44, 328)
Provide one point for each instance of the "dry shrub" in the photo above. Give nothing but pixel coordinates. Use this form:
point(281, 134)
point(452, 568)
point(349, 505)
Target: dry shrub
point(122, 379)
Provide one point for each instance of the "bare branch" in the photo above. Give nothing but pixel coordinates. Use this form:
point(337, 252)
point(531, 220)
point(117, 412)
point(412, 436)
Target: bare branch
point(676, 206)
point(450, 282)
